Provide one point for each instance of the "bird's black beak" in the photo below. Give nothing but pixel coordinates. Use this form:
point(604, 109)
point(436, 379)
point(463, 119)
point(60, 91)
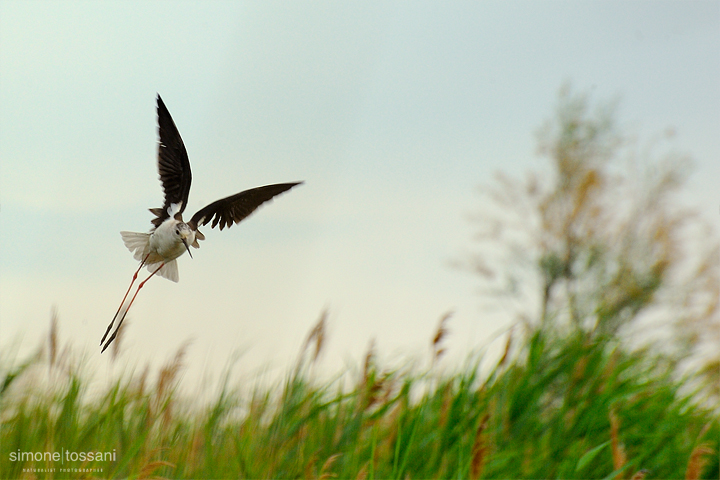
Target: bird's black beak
point(187, 247)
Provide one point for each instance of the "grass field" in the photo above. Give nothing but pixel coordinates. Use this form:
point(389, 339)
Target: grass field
point(554, 406)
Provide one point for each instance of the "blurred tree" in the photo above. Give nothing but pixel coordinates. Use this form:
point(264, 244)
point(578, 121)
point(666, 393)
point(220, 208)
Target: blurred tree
point(601, 247)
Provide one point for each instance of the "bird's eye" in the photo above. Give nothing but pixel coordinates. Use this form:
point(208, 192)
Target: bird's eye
point(177, 231)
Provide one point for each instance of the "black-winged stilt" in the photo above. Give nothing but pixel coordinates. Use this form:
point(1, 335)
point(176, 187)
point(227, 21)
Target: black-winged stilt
point(170, 236)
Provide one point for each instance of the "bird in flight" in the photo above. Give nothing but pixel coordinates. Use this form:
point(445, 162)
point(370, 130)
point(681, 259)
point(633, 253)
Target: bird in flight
point(170, 236)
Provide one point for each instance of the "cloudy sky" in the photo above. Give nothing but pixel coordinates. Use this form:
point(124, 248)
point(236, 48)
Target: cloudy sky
point(392, 113)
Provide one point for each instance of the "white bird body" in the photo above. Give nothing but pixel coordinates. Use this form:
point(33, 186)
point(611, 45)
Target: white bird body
point(171, 238)
point(162, 246)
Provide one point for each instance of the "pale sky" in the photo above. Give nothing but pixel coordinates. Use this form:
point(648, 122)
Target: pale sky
point(392, 113)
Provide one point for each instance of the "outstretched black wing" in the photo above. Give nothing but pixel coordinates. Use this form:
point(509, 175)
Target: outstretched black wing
point(173, 165)
point(235, 208)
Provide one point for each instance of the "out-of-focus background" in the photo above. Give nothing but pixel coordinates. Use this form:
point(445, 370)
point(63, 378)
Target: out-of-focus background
point(394, 114)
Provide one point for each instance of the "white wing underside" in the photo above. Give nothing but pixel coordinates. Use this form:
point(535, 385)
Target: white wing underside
point(139, 245)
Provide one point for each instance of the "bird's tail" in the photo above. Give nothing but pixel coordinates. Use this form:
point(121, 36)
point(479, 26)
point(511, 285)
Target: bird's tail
point(169, 270)
point(139, 245)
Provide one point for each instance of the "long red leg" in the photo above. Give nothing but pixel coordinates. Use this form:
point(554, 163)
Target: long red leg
point(123, 300)
point(130, 305)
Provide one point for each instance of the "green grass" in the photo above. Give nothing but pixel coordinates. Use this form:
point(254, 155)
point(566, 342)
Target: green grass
point(555, 407)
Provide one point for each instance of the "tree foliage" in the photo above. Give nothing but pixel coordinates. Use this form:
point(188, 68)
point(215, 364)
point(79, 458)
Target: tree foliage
point(602, 244)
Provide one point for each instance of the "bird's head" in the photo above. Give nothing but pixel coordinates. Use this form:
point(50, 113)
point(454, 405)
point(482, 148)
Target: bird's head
point(186, 235)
